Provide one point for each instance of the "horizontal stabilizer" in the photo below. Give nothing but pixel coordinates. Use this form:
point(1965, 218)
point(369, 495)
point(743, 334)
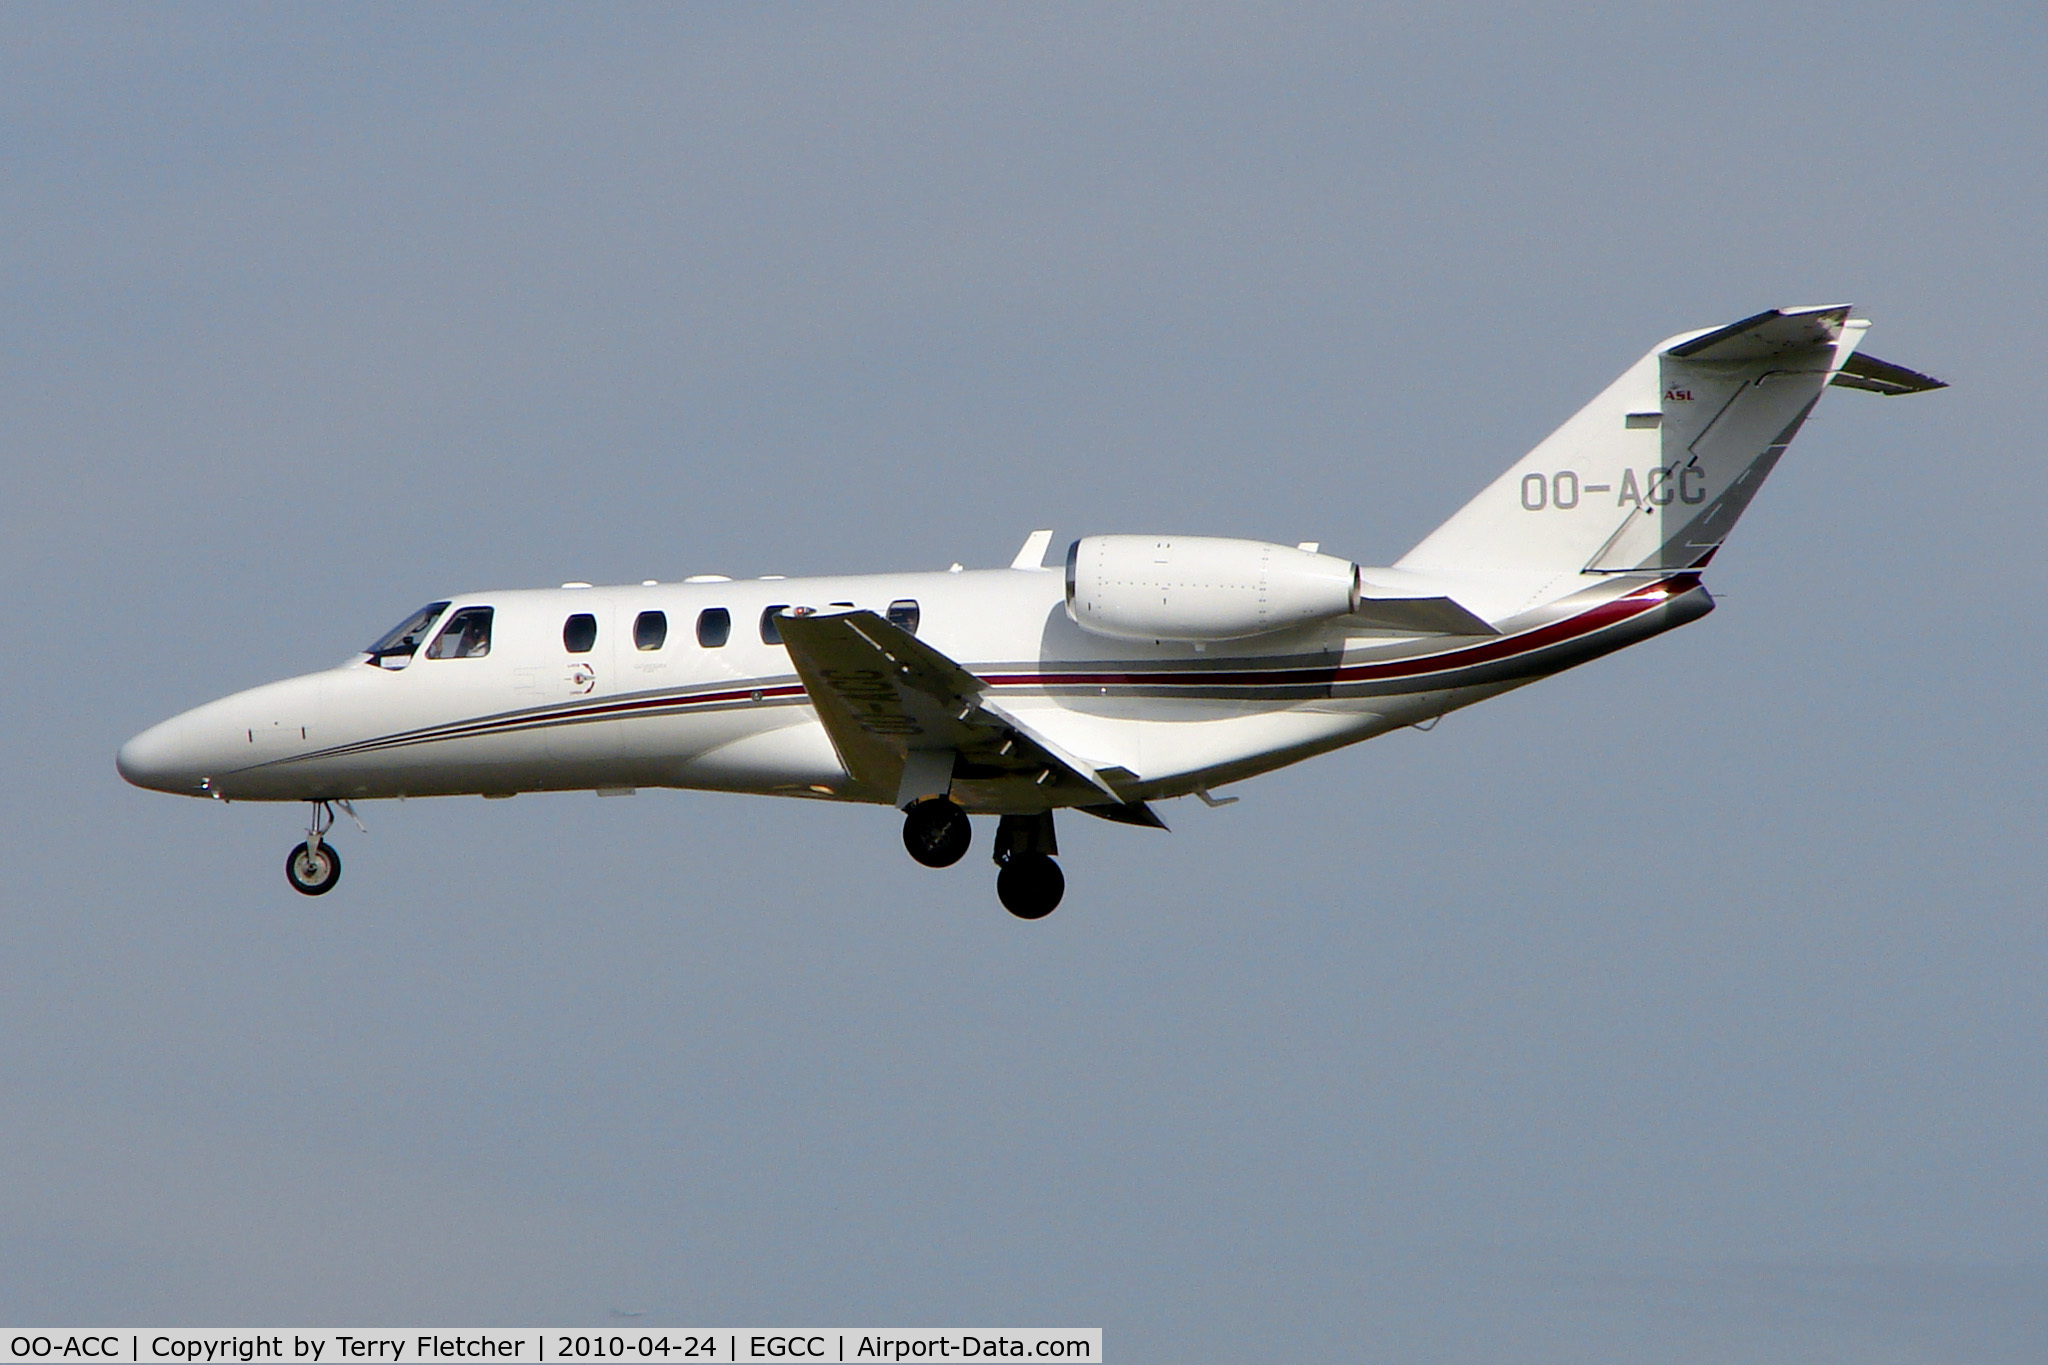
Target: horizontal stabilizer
point(1869, 373)
point(1767, 335)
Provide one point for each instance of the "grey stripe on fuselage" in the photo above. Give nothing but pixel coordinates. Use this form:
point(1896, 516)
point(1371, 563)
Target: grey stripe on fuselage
point(1293, 680)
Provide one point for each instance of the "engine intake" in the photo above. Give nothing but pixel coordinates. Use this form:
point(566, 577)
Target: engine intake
point(1202, 587)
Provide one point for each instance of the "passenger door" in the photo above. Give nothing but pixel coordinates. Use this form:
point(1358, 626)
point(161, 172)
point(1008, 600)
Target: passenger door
point(578, 652)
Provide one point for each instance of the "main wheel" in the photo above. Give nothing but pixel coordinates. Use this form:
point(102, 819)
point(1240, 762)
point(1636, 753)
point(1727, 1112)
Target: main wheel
point(937, 833)
point(313, 873)
point(1030, 885)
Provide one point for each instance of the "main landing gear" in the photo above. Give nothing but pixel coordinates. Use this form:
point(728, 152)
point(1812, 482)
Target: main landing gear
point(1029, 884)
point(936, 832)
point(315, 866)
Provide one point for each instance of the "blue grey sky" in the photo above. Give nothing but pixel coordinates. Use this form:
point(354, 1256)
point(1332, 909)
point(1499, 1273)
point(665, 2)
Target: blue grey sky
point(1686, 1007)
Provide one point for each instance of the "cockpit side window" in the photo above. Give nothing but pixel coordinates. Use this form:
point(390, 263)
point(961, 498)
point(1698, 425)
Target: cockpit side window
point(466, 636)
point(395, 648)
point(903, 614)
point(579, 633)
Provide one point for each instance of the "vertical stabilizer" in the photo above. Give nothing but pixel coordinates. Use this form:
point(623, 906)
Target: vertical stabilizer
point(1653, 472)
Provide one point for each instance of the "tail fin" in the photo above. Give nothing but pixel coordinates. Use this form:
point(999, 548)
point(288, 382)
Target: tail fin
point(1654, 472)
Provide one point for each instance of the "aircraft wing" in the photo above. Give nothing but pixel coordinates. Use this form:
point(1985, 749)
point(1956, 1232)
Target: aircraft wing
point(901, 715)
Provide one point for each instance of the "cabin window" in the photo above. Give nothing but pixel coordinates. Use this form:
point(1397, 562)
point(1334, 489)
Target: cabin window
point(650, 630)
point(395, 648)
point(771, 629)
point(466, 636)
point(714, 627)
point(903, 614)
point(579, 633)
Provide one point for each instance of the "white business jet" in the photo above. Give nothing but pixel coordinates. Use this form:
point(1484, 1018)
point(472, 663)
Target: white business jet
point(1153, 667)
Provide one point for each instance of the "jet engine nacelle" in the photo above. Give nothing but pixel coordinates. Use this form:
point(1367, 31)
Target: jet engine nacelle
point(1202, 587)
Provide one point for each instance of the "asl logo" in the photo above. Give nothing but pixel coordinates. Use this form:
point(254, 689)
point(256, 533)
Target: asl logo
point(1678, 395)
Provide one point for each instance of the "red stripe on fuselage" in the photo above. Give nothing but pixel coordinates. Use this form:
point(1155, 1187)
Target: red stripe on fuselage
point(1587, 622)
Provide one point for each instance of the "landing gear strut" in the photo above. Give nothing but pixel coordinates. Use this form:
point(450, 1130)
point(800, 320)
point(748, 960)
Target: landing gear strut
point(314, 866)
point(936, 832)
point(1030, 884)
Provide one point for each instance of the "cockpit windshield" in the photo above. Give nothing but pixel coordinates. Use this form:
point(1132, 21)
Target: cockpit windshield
point(398, 645)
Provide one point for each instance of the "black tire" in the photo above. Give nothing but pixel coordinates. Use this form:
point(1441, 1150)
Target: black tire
point(937, 833)
point(1030, 885)
point(313, 876)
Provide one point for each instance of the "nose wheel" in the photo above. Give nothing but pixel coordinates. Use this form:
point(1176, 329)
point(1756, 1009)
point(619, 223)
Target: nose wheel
point(313, 869)
point(315, 866)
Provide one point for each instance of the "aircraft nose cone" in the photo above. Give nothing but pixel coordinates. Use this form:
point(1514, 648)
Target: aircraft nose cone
point(162, 759)
point(213, 750)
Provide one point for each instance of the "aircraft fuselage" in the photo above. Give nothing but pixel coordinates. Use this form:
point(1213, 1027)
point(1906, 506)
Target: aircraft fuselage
point(1153, 667)
point(531, 715)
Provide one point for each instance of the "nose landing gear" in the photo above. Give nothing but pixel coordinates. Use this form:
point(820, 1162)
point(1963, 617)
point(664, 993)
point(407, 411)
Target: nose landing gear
point(315, 866)
point(313, 869)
